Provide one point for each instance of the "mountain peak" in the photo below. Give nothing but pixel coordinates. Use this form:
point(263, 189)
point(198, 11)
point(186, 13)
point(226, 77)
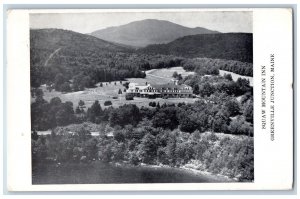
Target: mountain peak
point(148, 31)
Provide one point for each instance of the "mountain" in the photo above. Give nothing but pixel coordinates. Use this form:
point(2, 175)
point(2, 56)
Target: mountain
point(149, 31)
point(230, 46)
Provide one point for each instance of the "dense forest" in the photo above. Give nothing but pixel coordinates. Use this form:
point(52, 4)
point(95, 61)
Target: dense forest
point(230, 46)
point(218, 154)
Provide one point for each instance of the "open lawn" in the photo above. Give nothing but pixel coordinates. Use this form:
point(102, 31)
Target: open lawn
point(110, 91)
point(168, 72)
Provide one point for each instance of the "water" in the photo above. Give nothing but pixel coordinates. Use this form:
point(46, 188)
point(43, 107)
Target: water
point(102, 173)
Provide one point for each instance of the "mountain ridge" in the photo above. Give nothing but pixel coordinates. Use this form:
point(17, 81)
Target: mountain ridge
point(149, 31)
point(229, 46)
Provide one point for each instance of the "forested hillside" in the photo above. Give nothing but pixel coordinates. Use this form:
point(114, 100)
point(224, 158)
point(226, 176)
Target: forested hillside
point(68, 61)
point(230, 46)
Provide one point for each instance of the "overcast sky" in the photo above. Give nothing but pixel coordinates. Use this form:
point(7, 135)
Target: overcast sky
point(223, 21)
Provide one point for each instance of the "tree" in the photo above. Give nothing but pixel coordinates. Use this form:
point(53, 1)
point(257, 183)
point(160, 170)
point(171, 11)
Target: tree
point(34, 135)
point(39, 93)
point(175, 75)
point(153, 104)
point(128, 96)
point(81, 103)
point(243, 85)
point(59, 80)
point(90, 148)
point(228, 77)
point(126, 85)
point(232, 106)
point(78, 111)
point(240, 127)
point(248, 112)
point(148, 148)
point(82, 81)
point(65, 87)
point(196, 89)
point(206, 89)
point(56, 101)
point(114, 118)
point(83, 135)
point(65, 114)
point(166, 118)
point(219, 122)
point(119, 135)
point(94, 112)
point(179, 77)
point(171, 149)
point(158, 105)
point(188, 122)
point(107, 103)
point(78, 82)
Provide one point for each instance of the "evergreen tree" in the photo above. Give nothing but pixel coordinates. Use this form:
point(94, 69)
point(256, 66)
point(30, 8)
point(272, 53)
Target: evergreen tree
point(94, 112)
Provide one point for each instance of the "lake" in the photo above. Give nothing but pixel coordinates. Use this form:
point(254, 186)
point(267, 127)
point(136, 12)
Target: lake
point(102, 173)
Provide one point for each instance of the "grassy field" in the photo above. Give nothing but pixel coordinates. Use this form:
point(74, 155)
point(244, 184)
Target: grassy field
point(168, 72)
point(110, 90)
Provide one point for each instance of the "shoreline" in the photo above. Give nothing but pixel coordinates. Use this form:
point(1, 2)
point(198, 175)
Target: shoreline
point(184, 168)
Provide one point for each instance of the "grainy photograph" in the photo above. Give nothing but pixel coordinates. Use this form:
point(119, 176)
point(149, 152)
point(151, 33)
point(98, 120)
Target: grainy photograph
point(141, 97)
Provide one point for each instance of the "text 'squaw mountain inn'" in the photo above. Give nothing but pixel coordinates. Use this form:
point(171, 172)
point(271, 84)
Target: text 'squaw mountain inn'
point(163, 90)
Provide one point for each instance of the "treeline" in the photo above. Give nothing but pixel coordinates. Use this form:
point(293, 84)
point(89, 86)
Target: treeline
point(207, 66)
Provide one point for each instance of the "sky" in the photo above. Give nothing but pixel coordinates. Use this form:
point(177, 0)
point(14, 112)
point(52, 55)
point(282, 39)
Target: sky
point(222, 21)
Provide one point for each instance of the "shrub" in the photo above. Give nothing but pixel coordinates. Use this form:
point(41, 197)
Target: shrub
point(107, 103)
point(153, 104)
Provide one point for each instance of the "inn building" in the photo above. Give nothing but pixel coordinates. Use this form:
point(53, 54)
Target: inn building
point(161, 90)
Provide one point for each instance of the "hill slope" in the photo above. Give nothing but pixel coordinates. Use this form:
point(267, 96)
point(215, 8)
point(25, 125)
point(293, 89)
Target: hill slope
point(43, 42)
point(149, 31)
point(56, 51)
point(230, 46)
